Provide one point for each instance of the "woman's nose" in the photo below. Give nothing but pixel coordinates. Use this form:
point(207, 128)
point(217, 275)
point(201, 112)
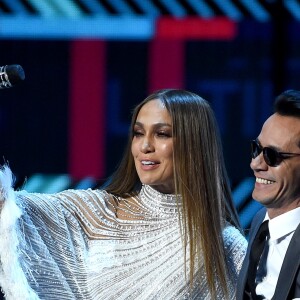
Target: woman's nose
point(146, 146)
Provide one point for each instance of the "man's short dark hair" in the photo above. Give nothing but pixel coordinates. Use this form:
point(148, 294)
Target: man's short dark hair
point(288, 103)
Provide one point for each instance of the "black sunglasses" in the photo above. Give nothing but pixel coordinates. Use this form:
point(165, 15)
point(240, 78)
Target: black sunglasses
point(272, 157)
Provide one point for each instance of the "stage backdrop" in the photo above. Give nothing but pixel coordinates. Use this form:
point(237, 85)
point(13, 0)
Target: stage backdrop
point(86, 69)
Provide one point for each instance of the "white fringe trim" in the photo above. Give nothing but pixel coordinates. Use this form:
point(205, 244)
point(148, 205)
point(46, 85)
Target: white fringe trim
point(12, 278)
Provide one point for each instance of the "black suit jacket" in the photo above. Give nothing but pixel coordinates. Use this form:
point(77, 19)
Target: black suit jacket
point(288, 284)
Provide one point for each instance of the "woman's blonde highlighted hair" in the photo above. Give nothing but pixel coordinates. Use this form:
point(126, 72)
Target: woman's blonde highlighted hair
point(200, 178)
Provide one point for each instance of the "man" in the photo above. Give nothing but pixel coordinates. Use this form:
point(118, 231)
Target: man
point(276, 166)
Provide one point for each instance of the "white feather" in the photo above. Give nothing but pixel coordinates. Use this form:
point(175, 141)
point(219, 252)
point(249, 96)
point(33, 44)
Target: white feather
point(12, 277)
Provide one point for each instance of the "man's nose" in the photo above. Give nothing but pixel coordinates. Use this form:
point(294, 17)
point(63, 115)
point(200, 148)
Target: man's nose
point(258, 163)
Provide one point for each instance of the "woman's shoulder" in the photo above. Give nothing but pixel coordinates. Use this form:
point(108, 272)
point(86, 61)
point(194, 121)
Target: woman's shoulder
point(92, 199)
point(85, 198)
point(235, 248)
point(84, 193)
point(234, 238)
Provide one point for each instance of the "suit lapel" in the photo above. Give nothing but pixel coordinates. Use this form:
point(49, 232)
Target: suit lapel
point(242, 280)
point(289, 268)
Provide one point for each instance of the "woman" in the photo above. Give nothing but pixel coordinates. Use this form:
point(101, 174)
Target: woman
point(164, 226)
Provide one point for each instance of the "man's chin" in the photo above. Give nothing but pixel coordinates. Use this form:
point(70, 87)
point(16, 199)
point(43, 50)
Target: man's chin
point(265, 201)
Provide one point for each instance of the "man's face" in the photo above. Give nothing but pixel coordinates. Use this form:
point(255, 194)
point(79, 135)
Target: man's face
point(278, 188)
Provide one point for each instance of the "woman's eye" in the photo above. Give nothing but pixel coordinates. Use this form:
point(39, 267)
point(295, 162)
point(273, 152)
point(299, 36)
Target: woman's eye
point(137, 133)
point(163, 134)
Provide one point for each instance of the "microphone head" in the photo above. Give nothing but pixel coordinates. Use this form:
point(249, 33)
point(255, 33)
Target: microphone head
point(11, 75)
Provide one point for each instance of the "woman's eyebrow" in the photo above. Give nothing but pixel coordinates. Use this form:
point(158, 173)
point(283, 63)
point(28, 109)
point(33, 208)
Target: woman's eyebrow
point(161, 124)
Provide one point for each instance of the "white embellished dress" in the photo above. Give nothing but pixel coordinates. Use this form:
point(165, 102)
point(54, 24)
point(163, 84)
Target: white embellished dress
point(76, 245)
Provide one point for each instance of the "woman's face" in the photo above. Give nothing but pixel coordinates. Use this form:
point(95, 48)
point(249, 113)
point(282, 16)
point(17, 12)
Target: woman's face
point(152, 146)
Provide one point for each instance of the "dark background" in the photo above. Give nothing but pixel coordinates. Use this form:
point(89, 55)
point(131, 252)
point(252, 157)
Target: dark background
point(240, 76)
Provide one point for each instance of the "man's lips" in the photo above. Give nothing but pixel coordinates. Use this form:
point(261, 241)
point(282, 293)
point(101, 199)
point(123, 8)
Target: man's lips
point(264, 181)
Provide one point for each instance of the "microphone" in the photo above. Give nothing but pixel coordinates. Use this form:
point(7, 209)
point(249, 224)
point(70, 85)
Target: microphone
point(11, 75)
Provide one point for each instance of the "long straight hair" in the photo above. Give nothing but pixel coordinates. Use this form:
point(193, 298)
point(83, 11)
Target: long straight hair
point(200, 178)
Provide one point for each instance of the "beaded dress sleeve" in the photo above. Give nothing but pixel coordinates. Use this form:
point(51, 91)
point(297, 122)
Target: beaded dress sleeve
point(73, 245)
point(42, 245)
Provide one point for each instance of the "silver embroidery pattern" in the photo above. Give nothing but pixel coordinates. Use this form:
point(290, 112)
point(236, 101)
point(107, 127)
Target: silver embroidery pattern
point(87, 244)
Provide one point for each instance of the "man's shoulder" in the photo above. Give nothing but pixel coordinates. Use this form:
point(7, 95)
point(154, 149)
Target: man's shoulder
point(256, 221)
point(260, 215)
